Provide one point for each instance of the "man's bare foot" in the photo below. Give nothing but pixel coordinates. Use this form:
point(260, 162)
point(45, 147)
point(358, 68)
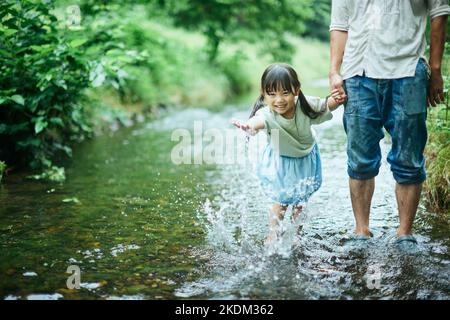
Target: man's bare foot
point(363, 232)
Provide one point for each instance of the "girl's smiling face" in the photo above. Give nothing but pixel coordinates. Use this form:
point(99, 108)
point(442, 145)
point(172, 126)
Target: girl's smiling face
point(281, 101)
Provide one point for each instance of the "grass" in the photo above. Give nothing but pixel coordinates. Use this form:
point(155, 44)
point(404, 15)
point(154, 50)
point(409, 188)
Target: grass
point(437, 185)
point(2, 169)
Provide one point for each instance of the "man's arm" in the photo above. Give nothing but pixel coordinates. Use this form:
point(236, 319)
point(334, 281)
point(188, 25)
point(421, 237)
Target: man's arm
point(437, 40)
point(338, 39)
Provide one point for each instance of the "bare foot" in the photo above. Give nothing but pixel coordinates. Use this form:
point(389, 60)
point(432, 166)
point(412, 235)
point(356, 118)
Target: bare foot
point(296, 213)
point(271, 239)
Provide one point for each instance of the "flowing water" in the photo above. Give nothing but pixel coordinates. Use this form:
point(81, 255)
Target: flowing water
point(142, 227)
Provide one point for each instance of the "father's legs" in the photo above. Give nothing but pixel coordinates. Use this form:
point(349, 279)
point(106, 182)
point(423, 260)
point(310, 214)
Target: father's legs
point(408, 196)
point(364, 128)
point(361, 192)
point(405, 120)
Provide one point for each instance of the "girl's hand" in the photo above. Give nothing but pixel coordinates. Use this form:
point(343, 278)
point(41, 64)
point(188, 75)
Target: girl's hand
point(244, 126)
point(251, 126)
point(336, 98)
point(339, 96)
point(241, 125)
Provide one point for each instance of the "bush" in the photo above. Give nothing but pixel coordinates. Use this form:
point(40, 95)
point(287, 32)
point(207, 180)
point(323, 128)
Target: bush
point(437, 186)
point(42, 77)
point(238, 77)
point(46, 67)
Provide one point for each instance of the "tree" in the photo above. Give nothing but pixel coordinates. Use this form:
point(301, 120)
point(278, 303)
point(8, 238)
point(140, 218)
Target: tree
point(268, 22)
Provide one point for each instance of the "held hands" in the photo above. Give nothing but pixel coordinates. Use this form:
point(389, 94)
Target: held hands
point(337, 88)
point(336, 99)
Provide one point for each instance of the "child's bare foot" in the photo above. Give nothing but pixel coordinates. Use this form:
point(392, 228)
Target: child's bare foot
point(270, 240)
point(296, 213)
point(274, 236)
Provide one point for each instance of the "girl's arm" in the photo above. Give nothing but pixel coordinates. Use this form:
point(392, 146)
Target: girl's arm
point(333, 99)
point(251, 126)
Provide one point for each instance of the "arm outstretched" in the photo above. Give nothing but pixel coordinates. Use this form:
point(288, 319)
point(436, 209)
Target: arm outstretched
point(251, 126)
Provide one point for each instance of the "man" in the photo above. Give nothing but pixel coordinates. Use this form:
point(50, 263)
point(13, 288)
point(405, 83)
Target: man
point(377, 62)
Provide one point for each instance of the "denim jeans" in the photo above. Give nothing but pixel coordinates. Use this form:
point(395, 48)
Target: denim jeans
point(398, 105)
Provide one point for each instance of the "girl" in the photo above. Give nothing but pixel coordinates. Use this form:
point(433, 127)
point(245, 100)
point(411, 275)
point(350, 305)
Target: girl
point(289, 168)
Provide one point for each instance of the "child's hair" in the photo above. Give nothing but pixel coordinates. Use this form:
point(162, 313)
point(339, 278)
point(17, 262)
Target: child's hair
point(282, 75)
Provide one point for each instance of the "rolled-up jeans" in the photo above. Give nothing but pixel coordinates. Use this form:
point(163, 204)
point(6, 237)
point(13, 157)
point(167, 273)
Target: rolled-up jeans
point(398, 105)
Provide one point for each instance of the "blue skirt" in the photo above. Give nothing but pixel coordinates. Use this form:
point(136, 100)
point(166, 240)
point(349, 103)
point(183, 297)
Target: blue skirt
point(288, 180)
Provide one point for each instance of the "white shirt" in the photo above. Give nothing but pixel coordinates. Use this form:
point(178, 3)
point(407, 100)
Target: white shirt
point(386, 38)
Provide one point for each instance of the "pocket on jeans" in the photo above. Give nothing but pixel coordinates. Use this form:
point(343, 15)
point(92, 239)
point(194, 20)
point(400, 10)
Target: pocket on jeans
point(352, 89)
point(414, 91)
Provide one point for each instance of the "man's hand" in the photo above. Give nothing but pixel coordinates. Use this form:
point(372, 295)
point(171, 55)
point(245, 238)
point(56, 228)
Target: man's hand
point(336, 83)
point(435, 89)
point(437, 41)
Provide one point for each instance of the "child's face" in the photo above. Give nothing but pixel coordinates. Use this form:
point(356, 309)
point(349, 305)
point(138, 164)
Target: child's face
point(281, 102)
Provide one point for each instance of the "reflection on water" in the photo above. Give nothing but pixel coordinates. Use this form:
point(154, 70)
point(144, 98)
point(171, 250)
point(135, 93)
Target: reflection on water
point(147, 229)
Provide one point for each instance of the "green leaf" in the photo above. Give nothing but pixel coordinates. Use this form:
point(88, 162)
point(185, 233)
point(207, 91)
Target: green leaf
point(43, 49)
point(77, 42)
point(40, 125)
point(75, 200)
point(18, 99)
point(29, 143)
point(57, 121)
point(9, 32)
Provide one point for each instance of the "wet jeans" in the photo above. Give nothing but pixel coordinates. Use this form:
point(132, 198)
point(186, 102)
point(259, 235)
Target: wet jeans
point(398, 105)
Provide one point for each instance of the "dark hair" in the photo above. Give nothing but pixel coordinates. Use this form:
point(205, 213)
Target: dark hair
point(282, 75)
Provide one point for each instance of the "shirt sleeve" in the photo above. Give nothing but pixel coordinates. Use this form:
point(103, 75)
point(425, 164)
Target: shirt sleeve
point(339, 15)
point(262, 114)
point(438, 8)
point(327, 115)
point(316, 103)
point(319, 105)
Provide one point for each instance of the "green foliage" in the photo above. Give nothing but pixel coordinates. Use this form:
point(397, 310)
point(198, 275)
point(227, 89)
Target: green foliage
point(267, 22)
point(2, 169)
point(318, 26)
point(168, 71)
point(437, 186)
point(42, 75)
point(46, 65)
point(53, 174)
point(231, 67)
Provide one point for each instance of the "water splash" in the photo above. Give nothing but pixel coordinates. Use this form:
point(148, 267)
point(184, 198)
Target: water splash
point(315, 257)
